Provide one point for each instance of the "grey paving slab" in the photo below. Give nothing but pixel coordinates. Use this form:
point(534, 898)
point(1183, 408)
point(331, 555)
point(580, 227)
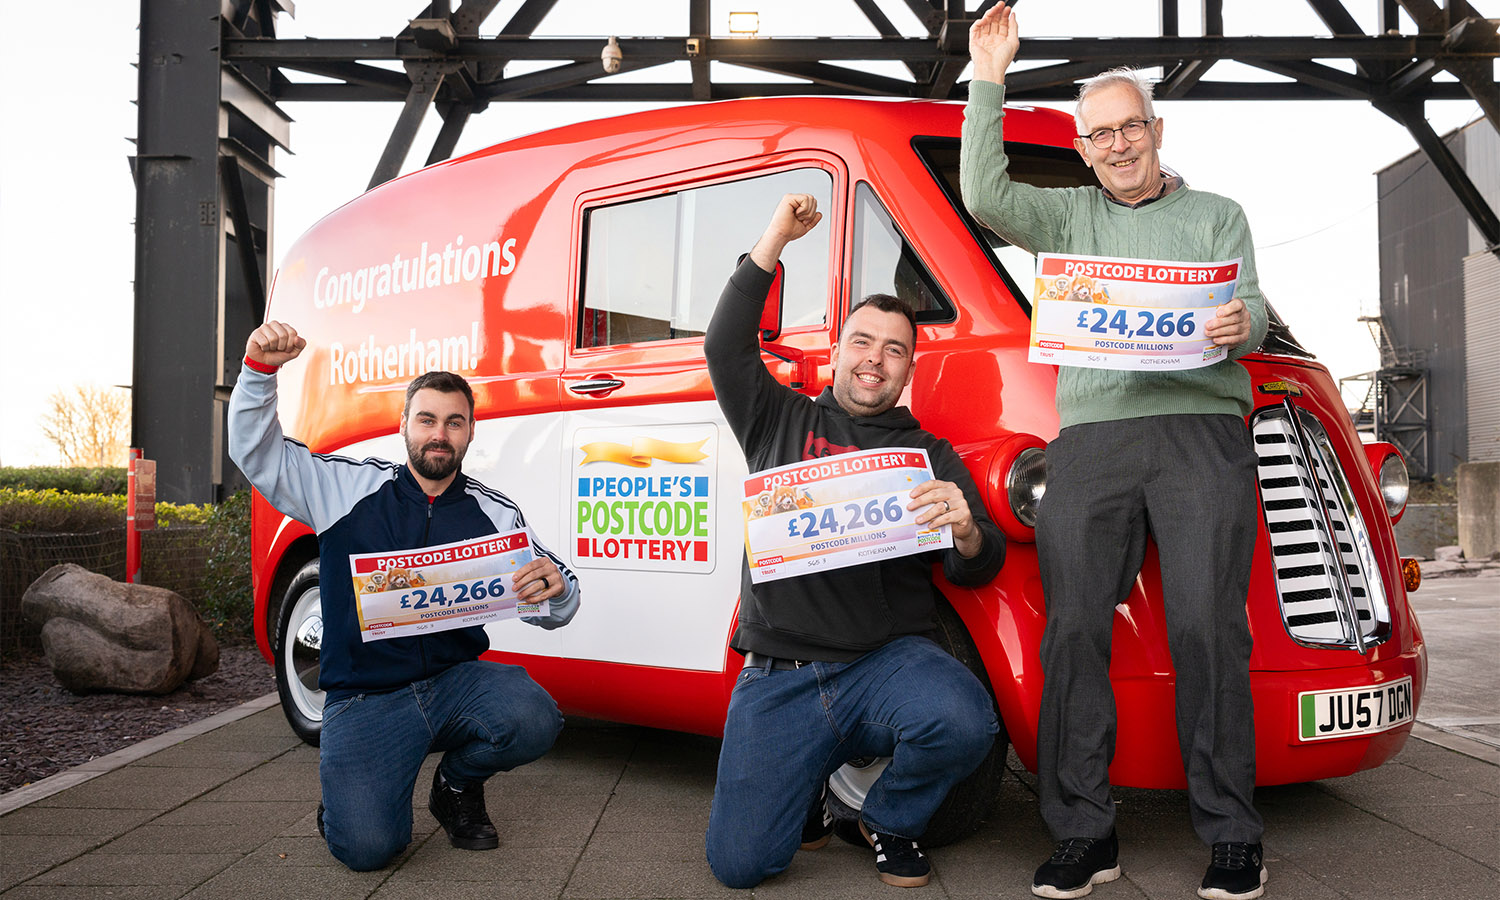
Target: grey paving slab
point(29, 855)
point(1460, 619)
point(294, 851)
point(37, 819)
point(138, 869)
point(212, 812)
point(190, 756)
point(140, 787)
point(1395, 784)
point(992, 863)
point(268, 883)
point(541, 786)
point(1476, 837)
point(1436, 760)
point(840, 871)
point(597, 878)
point(99, 892)
point(661, 807)
point(436, 861)
point(565, 822)
point(464, 890)
point(153, 838)
point(280, 779)
point(625, 864)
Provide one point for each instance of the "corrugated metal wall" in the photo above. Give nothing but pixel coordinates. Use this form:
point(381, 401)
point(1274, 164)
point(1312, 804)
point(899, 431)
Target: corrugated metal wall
point(1424, 237)
point(1482, 352)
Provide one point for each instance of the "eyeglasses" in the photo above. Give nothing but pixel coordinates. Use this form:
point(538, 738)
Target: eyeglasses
point(1133, 131)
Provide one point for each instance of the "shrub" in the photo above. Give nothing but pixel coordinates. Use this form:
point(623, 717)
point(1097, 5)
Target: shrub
point(228, 605)
point(51, 511)
point(201, 552)
point(98, 480)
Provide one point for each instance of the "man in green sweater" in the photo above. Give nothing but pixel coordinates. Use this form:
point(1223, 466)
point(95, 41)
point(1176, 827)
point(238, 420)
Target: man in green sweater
point(1164, 453)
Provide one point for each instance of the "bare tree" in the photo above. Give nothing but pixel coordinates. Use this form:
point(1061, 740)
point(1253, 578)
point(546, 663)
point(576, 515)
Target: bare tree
point(89, 424)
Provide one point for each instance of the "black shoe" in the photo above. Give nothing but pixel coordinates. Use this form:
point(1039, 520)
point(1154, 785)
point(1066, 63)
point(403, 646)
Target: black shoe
point(1077, 864)
point(462, 815)
point(897, 859)
point(819, 825)
point(1237, 872)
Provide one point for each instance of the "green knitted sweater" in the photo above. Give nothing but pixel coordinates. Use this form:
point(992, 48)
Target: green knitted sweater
point(1185, 225)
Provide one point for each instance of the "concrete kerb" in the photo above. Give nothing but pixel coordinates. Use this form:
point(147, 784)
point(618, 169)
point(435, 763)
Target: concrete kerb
point(23, 796)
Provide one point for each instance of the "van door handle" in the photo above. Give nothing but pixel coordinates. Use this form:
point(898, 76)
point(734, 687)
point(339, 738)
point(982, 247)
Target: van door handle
point(596, 385)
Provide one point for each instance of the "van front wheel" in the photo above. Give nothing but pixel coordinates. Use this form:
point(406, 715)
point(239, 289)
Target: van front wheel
point(299, 637)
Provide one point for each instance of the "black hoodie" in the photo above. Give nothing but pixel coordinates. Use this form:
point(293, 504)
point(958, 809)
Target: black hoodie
point(841, 614)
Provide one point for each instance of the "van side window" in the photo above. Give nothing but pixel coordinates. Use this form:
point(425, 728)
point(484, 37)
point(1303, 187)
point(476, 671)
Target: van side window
point(884, 263)
point(653, 268)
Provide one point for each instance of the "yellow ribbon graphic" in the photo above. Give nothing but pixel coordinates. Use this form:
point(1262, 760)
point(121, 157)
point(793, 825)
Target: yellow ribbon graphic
point(642, 451)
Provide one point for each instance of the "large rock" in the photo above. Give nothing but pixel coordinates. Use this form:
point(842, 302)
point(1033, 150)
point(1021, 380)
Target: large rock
point(104, 636)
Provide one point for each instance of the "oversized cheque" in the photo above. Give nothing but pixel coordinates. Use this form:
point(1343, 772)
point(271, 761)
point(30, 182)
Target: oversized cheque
point(836, 511)
point(432, 589)
point(1101, 312)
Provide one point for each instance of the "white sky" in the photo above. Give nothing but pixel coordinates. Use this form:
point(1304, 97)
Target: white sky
point(1303, 171)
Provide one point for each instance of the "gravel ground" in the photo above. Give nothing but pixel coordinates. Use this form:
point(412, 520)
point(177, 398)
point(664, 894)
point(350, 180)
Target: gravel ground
point(44, 729)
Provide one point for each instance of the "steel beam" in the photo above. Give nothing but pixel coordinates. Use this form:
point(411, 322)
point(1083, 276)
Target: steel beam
point(1411, 115)
point(699, 25)
point(424, 86)
point(455, 117)
point(179, 347)
point(1213, 17)
point(1323, 77)
point(1180, 79)
point(1399, 48)
point(236, 200)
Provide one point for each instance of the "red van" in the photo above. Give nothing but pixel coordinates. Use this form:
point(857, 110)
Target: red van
point(569, 275)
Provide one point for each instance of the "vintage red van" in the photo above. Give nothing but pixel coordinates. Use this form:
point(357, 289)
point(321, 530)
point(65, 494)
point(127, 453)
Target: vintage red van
point(570, 274)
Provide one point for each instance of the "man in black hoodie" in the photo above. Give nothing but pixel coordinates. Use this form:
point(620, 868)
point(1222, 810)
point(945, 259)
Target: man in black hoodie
point(838, 664)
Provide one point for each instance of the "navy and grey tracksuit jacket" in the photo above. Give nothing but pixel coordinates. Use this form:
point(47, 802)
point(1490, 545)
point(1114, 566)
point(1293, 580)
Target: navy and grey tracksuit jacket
point(370, 506)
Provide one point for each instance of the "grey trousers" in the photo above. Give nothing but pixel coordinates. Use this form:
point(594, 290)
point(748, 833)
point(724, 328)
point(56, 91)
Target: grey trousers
point(1189, 482)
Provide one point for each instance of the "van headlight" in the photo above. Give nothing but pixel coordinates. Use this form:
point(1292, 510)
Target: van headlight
point(1395, 484)
point(1026, 482)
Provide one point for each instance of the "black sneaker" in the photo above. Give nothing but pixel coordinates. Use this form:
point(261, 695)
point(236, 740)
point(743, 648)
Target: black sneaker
point(897, 859)
point(819, 825)
point(462, 815)
point(1077, 864)
point(1237, 872)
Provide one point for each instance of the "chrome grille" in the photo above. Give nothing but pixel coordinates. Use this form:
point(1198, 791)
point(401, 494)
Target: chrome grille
point(1326, 576)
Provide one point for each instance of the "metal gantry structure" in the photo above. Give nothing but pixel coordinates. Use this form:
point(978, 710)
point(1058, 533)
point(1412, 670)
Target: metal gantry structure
point(214, 75)
point(1394, 407)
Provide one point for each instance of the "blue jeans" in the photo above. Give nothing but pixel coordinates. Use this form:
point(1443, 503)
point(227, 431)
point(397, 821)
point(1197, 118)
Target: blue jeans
point(789, 729)
point(488, 718)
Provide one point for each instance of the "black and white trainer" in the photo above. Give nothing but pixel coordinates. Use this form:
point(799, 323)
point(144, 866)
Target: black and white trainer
point(1237, 872)
point(898, 860)
point(818, 827)
point(1076, 865)
point(462, 815)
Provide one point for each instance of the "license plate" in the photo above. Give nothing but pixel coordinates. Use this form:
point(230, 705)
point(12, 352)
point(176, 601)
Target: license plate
point(1358, 710)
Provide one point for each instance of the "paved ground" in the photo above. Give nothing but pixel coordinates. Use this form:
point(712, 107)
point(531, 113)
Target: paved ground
point(226, 810)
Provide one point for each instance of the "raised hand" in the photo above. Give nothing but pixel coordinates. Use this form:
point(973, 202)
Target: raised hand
point(274, 344)
point(993, 42)
point(795, 215)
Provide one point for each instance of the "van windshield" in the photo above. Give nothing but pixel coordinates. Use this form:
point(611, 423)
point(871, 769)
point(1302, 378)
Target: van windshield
point(1029, 163)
